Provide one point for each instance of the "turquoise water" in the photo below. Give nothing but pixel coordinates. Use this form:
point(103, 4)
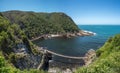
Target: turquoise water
point(103, 31)
point(78, 46)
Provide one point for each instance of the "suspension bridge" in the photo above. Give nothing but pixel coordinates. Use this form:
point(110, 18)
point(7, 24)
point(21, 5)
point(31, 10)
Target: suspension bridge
point(91, 54)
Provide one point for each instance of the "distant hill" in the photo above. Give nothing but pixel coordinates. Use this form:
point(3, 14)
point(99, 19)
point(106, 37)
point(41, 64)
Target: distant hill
point(35, 24)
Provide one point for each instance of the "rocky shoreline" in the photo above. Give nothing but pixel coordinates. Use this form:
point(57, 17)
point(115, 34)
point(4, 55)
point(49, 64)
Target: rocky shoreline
point(53, 66)
point(66, 35)
point(57, 66)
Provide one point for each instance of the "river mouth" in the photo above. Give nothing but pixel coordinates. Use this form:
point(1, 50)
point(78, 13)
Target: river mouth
point(78, 46)
point(75, 46)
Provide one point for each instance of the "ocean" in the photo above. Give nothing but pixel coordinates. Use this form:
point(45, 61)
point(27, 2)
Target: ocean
point(78, 46)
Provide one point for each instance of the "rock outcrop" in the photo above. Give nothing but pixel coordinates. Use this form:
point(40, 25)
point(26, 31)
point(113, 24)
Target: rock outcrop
point(90, 56)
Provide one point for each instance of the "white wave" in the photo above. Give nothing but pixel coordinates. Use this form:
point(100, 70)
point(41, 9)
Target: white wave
point(89, 32)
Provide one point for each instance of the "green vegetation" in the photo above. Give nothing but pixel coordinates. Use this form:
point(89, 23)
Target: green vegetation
point(108, 58)
point(10, 36)
point(36, 24)
point(17, 26)
point(6, 68)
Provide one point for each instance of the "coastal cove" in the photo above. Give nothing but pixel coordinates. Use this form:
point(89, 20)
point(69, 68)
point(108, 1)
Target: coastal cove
point(63, 49)
point(60, 36)
point(78, 46)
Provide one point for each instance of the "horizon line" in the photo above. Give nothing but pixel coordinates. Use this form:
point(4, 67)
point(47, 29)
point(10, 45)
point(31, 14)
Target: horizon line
point(99, 24)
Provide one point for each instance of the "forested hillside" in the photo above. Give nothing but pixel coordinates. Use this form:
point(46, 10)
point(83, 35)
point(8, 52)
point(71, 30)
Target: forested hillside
point(15, 49)
point(108, 60)
point(16, 27)
point(36, 24)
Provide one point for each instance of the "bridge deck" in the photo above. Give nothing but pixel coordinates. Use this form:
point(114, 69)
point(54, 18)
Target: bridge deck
point(71, 57)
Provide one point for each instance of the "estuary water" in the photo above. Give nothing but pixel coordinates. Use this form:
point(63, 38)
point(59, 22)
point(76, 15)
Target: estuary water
point(78, 46)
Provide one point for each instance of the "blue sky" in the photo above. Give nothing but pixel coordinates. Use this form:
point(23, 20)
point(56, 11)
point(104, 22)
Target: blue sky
point(81, 11)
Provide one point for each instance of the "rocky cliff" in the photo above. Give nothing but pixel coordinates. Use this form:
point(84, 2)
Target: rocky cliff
point(16, 47)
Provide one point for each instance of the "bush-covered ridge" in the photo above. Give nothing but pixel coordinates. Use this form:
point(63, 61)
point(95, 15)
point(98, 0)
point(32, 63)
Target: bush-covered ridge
point(108, 60)
point(36, 24)
point(10, 36)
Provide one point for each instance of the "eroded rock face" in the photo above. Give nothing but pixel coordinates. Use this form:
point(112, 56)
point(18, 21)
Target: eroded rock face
point(28, 61)
point(45, 61)
point(90, 56)
point(56, 67)
point(23, 59)
point(58, 70)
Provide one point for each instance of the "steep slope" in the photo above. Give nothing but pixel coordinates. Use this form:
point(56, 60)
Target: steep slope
point(36, 24)
point(15, 25)
point(5, 67)
point(15, 47)
point(108, 60)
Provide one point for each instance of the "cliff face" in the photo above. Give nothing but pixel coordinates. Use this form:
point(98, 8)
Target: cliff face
point(16, 47)
point(36, 24)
